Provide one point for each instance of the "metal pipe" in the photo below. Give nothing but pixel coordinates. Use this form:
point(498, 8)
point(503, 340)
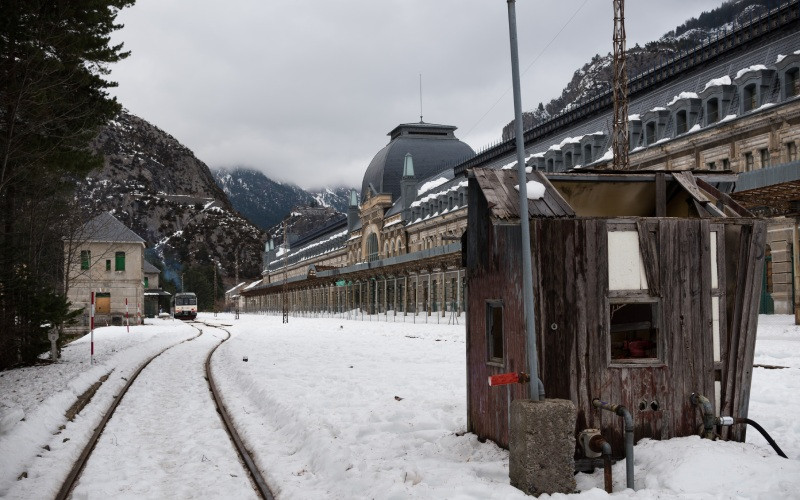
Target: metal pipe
point(524, 223)
point(709, 419)
point(598, 444)
point(628, 419)
point(607, 479)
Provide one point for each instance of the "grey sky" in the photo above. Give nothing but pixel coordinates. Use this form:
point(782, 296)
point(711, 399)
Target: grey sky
point(306, 91)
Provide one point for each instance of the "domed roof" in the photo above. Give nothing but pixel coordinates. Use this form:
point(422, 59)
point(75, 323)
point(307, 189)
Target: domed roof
point(433, 148)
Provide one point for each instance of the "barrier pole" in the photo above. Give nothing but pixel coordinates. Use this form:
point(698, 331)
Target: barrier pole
point(91, 330)
point(127, 319)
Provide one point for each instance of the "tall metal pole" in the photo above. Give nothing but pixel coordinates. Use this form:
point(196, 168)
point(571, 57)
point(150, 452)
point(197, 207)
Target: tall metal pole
point(620, 133)
point(524, 222)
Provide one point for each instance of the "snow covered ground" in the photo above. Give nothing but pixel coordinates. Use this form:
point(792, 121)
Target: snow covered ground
point(338, 408)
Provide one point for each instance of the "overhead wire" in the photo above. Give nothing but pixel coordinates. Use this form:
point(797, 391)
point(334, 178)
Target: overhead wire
point(538, 56)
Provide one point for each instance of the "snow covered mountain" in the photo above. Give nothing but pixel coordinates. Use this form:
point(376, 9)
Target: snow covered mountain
point(164, 193)
point(266, 202)
point(595, 77)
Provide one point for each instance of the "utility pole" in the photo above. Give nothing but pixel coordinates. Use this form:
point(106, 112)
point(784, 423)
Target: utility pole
point(215, 288)
point(524, 219)
point(620, 133)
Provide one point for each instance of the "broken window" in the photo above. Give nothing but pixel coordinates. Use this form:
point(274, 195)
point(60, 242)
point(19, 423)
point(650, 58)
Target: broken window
point(633, 325)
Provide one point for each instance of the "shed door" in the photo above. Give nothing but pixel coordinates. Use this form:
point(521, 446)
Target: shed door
point(102, 303)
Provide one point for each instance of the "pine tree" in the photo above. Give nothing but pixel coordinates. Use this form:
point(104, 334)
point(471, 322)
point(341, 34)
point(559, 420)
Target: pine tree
point(54, 60)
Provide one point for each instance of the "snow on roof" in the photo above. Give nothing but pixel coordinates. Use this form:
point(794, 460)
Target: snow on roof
point(237, 286)
point(658, 108)
point(634, 118)
point(396, 221)
point(431, 184)
point(727, 118)
point(608, 156)
point(251, 285)
point(534, 189)
point(682, 95)
point(781, 57)
point(723, 80)
point(306, 248)
point(755, 67)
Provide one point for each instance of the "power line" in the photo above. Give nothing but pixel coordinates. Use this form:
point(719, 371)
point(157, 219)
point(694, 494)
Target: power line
point(541, 53)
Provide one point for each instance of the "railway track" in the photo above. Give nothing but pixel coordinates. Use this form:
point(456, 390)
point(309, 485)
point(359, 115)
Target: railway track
point(257, 481)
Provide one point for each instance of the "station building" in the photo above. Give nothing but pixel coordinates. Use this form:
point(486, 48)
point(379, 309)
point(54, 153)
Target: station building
point(729, 106)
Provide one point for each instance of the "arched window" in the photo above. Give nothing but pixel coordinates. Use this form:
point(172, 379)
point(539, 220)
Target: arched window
point(372, 247)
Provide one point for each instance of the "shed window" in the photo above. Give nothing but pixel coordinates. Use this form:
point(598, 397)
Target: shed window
point(86, 259)
point(119, 261)
point(634, 330)
point(494, 331)
point(146, 282)
point(108, 264)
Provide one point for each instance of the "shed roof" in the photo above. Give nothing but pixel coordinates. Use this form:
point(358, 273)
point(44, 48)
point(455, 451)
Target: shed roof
point(106, 227)
point(498, 186)
point(611, 194)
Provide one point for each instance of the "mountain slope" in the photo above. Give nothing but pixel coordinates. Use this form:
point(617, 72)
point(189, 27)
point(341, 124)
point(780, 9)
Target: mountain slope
point(595, 77)
point(157, 187)
point(266, 202)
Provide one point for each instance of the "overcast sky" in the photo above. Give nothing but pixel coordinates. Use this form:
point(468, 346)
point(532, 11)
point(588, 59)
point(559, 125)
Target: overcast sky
point(306, 91)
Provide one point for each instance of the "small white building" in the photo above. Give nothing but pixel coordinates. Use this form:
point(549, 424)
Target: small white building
point(107, 258)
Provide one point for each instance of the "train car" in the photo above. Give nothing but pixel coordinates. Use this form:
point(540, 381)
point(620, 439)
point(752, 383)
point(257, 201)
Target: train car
point(185, 305)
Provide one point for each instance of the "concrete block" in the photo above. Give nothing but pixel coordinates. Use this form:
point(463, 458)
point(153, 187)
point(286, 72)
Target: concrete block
point(542, 445)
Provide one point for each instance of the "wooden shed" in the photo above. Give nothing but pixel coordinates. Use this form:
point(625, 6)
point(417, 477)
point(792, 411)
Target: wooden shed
point(646, 290)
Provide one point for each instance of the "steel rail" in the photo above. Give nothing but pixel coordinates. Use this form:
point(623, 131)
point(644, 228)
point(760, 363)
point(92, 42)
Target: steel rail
point(72, 478)
point(244, 453)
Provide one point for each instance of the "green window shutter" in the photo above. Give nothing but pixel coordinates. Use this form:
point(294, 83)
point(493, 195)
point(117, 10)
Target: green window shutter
point(119, 261)
point(86, 259)
point(146, 282)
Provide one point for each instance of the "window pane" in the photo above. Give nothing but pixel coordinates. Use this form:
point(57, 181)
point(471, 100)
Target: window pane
point(86, 257)
point(634, 331)
point(494, 330)
point(119, 262)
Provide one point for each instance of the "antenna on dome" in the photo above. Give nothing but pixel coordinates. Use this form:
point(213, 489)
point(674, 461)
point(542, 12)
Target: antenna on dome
point(420, 98)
